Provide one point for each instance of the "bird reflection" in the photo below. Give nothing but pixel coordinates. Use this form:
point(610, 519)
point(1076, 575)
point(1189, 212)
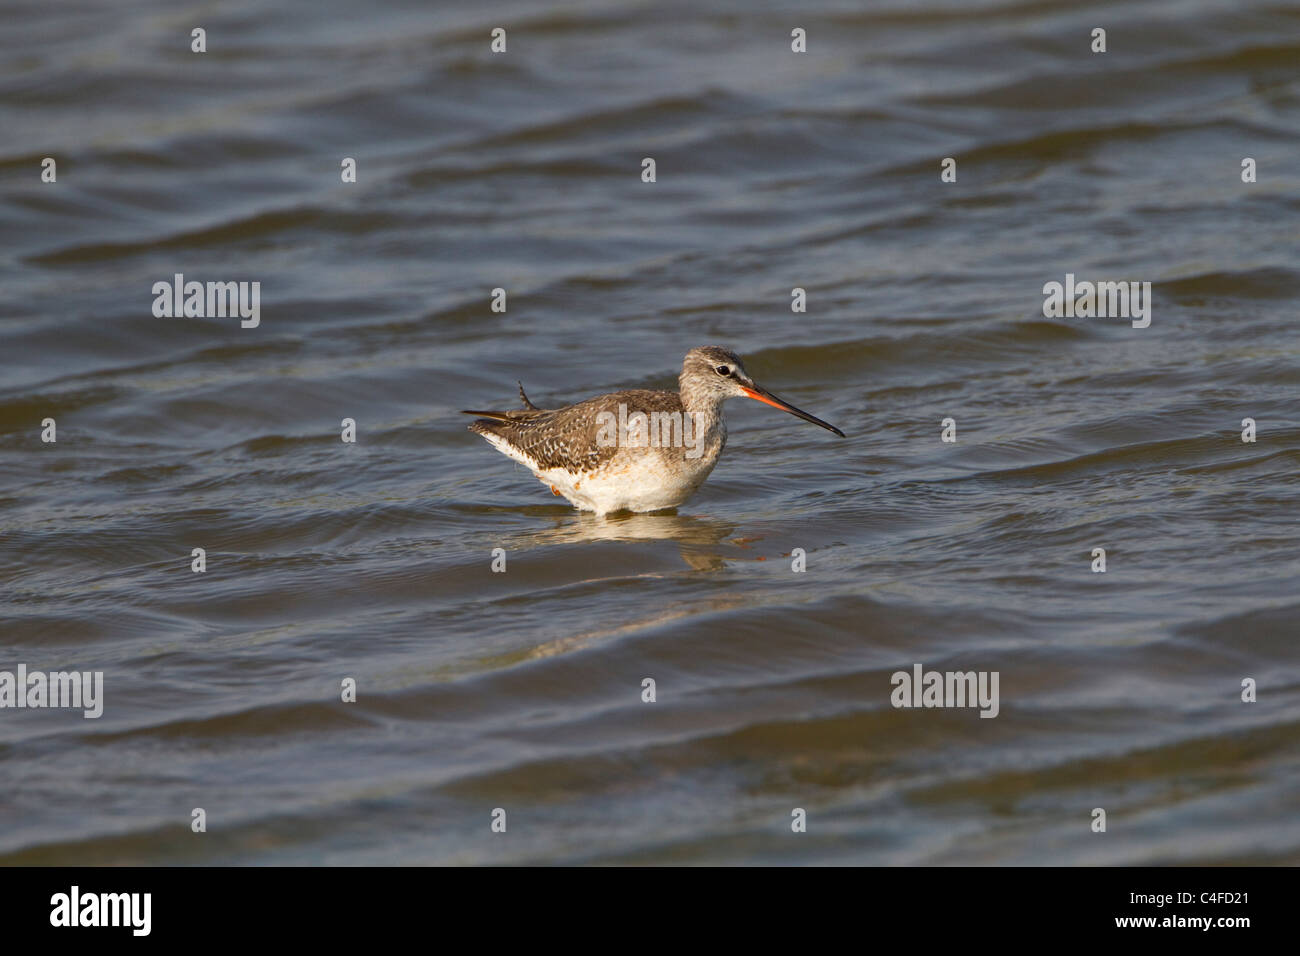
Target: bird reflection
point(704, 544)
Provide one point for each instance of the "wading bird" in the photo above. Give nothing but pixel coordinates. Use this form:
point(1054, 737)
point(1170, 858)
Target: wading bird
point(637, 450)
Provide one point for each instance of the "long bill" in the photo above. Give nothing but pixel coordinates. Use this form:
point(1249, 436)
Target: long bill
point(761, 394)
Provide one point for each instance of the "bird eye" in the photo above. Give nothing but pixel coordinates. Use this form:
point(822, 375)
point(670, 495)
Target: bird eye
point(723, 370)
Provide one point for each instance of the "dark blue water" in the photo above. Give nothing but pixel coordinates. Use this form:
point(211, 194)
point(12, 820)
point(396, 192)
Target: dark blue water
point(523, 690)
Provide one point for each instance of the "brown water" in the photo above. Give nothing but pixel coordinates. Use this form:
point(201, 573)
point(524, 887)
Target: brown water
point(522, 690)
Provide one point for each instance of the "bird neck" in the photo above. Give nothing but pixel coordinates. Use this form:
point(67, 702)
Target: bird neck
point(696, 399)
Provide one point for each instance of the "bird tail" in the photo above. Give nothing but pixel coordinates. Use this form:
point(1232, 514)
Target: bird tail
point(509, 416)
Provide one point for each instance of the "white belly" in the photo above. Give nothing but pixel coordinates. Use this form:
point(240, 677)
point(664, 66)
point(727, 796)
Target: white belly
point(644, 484)
point(636, 479)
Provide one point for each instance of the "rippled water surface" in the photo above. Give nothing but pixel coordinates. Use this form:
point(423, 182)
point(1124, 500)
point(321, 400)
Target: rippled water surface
point(522, 690)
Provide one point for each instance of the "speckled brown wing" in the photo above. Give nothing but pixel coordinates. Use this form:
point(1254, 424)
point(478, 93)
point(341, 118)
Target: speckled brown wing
point(567, 437)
